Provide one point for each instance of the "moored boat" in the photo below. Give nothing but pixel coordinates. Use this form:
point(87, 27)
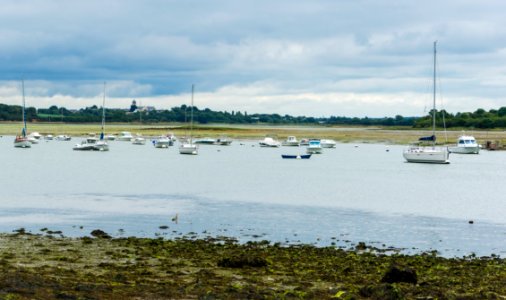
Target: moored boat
point(21, 141)
point(188, 147)
point(431, 153)
point(291, 141)
point(328, 143)
point(269, 142)
point(466, 144)
point(300, 156)
point(125, 136)
point(314, 147)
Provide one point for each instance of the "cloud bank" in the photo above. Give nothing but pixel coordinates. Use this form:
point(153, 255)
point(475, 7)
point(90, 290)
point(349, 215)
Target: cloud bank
point(319, 58)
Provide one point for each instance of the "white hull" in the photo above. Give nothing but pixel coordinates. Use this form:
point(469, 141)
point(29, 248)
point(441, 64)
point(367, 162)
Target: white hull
point(434, 155)
point(465, 150)
point(291, 144)
point(98, 146)
point(269, 142)
point(328, 143)
point(315, 150)
point(191, 149)
point(22, 144)
point(139, 141)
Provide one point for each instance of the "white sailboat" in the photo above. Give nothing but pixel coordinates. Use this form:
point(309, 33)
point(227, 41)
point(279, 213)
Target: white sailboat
point(432, 153)
point(22, 141)
point(91, 143)
point(188, 147)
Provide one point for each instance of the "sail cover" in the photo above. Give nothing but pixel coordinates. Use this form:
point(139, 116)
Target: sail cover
point(428, 138)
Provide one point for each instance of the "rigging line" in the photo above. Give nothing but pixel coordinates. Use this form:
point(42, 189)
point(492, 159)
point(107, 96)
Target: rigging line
point(443, 111)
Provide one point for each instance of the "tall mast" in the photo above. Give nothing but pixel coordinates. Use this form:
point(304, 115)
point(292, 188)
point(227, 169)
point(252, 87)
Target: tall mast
point(103, 116)
point(434, 98)
point(23, 109)
point(191, 116)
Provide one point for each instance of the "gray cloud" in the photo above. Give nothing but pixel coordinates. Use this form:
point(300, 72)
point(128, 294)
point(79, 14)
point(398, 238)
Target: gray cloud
point(370, 53)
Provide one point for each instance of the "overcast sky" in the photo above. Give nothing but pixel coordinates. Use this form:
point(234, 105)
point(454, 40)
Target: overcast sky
point(314, 58)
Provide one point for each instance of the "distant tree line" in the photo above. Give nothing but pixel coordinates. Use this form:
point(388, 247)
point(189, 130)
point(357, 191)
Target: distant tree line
point(93, 114)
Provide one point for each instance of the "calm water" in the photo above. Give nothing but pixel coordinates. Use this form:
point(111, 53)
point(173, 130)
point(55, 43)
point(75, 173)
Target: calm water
point(356, 192)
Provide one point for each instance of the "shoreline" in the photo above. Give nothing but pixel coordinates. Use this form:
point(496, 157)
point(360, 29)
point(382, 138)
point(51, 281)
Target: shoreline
point(99, 267)
point(344, 134)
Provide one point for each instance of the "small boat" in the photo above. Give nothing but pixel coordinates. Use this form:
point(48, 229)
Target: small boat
point(223, 141)
point(314, 147)
point(162, 142)
point(301, 156)
point(291, 141)
point(139, 140)
point(62, 137)
point(92, 143)
point(188, 147)
point(110, 137)
point(304, 142)
point(125, 136)
point(205, 141)
point(49, 137)
point(21, 141)
point(35, 135)
point(328, 143)
point(32, 139)
point(466, 144)
point(269, 142)
point(431, 153)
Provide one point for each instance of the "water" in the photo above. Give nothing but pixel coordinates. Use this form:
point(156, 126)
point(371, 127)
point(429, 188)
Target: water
point(354, 193)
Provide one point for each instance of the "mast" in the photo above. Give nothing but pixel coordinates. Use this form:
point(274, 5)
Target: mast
point(434, 99)
point(23, 109)
point(103, 116)
point(191, 116)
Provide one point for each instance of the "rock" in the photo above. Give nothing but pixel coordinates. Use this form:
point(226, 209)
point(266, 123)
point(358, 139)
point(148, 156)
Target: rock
point(100, 234)
point(398, 274)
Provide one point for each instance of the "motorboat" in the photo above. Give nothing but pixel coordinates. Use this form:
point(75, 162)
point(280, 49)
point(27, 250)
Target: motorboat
point(466, 144)
point(430, 153)
point(35, 135)
point(139, 140)
point(92, 143)
point(314, 147)
point(110, 137)
point(62, 137)
point(125, 136)
point(269, 142)
point(304, 142)
point(205, 141)
point(291, 141)
point(162, 142)
point(328, 143)
point(49, 137)
point(223, 141)
point(87, 145)
point(301, 156)
point(32, 139)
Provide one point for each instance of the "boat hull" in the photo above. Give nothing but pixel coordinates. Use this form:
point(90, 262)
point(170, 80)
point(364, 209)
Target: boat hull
point(465, 150)
point(431, 155)
point(190, 149)
point(22, 143)
point(302, 156)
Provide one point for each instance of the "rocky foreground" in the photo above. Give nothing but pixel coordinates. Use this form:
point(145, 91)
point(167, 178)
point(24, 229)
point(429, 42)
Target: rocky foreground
point(53, 267)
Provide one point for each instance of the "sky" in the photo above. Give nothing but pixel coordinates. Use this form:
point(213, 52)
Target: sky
point(316, 58)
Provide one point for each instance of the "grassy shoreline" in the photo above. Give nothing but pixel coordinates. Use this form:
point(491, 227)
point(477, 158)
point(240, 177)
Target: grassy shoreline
point(55, 267)
point(372, 134)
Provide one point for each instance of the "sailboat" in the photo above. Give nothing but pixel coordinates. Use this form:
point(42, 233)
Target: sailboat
point(188, 147)
point(432, 153)
point(91, 143)
point(22, 141)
